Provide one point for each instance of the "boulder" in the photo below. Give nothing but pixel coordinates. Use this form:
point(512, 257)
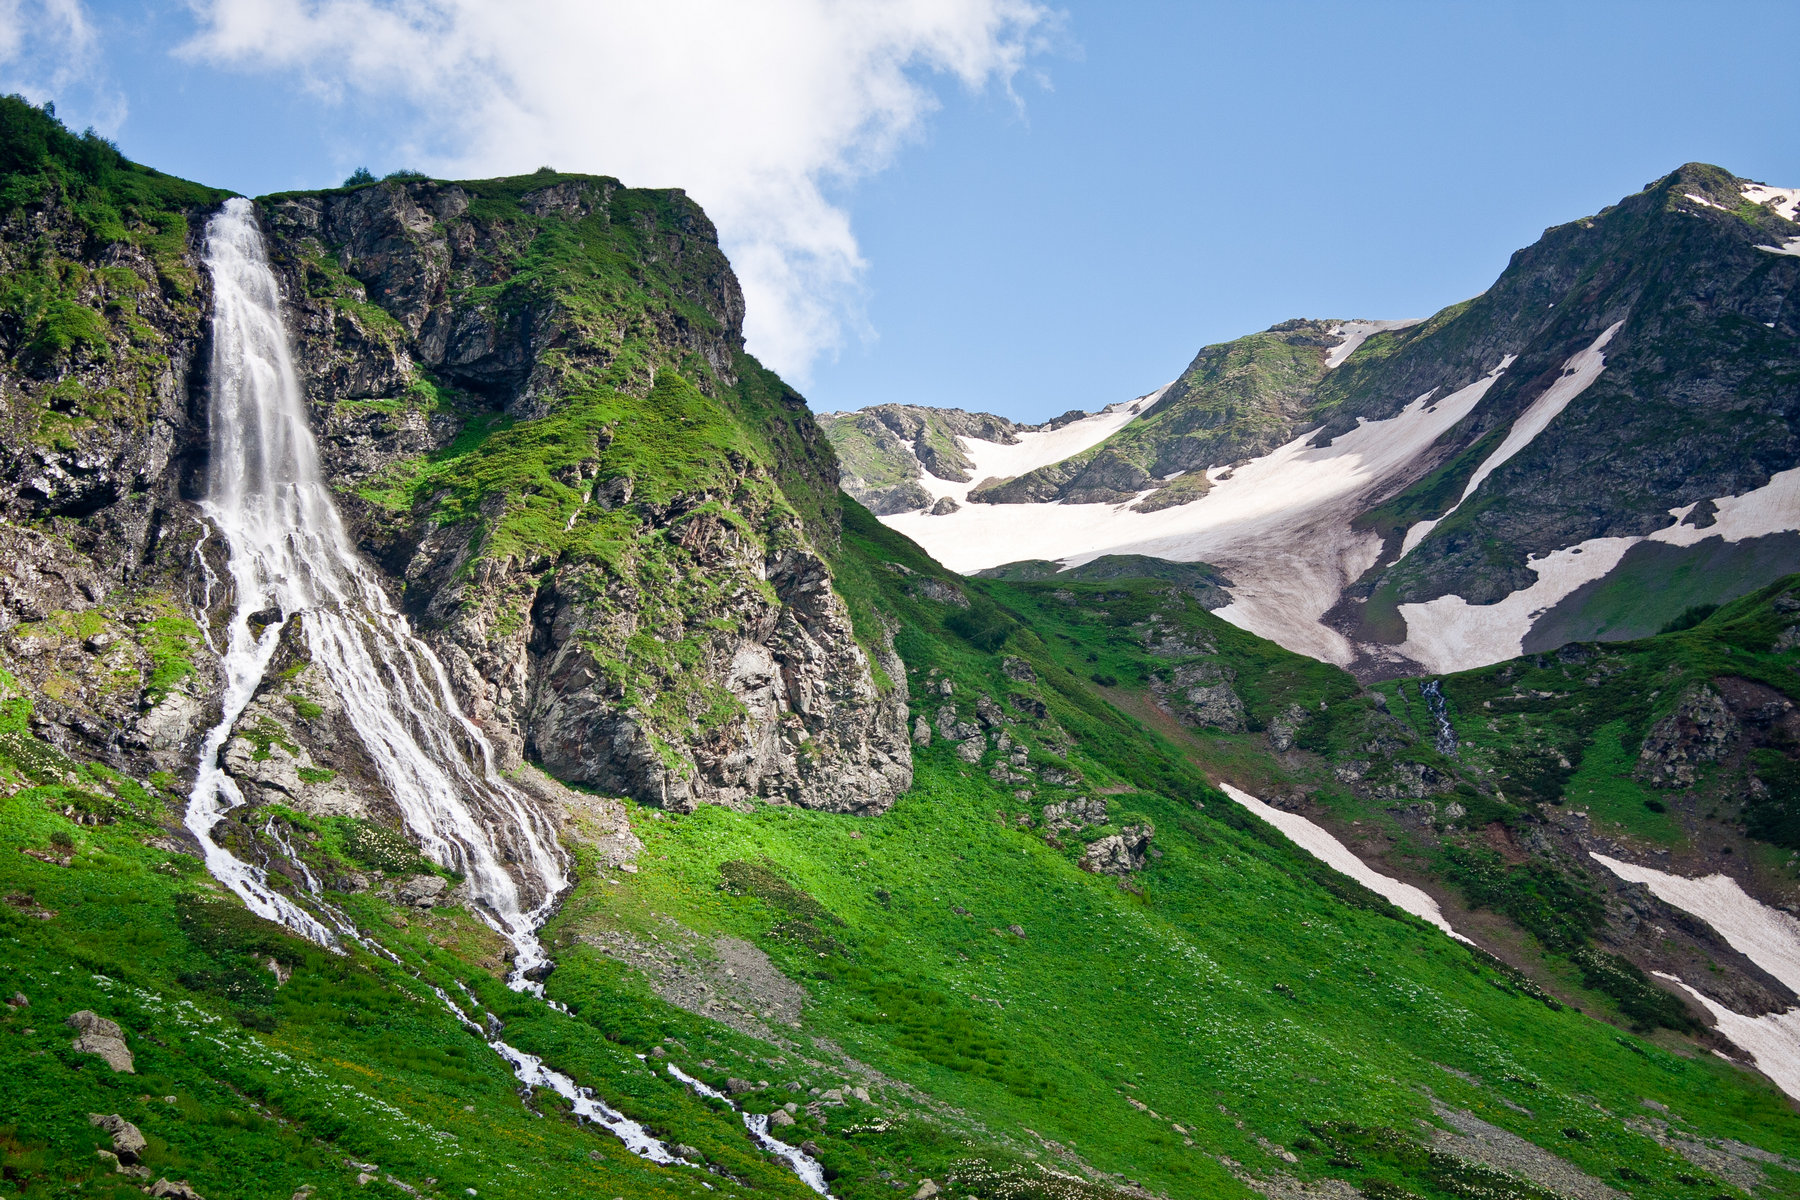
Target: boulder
point(1120, 853)
point(178, 1190)
point(127, 1142)
point(1017, 670)
point(921, 734)
point(779, 1119)
point(927, 1190)
point(1700, 730)
point(1283, 728)
point(102, 1038)
point(423, 891)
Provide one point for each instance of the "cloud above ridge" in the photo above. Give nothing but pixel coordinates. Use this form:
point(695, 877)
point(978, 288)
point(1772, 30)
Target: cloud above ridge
point(48, 49)
point(758, 110)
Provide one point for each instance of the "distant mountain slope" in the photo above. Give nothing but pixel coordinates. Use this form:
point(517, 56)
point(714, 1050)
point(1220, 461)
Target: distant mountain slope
point(1620, 405)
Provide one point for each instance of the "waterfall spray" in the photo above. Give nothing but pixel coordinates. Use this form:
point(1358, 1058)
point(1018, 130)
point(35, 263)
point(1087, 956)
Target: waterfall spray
point(289, 554)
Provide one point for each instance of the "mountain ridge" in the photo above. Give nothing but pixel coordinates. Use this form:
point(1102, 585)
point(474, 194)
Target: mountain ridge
point(1055, 961)
point(1690, 261)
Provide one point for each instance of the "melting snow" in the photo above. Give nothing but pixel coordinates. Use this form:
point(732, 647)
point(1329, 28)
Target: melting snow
point(1580, 371)
point(1333, 853)
point(1355, 333)
point(1699, 199)
point(1450, 634)
point(1787, 200)
point(1766, 936)
point(1278, 525)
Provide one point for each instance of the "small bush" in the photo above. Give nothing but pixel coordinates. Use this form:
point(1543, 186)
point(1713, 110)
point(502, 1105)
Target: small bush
point(360, 177)
point(981, 625)
point(1689, 618)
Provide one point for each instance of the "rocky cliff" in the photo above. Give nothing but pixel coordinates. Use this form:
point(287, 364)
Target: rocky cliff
point(532, 397)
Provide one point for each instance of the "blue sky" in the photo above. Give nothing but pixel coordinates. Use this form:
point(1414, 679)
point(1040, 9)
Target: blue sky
point(1031, 210)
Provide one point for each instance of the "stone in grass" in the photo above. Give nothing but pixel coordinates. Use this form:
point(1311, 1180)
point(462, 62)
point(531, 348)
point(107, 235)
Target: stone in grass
point(926, 1191)
point(177, 1190)
point(423, 891)
point(970, 751)
point(103, 1038)
point(1119, 853)
point(779, 1119)
point(738, 1087)
point(127, 1142)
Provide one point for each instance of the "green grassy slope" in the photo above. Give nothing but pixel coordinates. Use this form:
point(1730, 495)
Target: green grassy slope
point(1234, 988)
point(1231, 1013)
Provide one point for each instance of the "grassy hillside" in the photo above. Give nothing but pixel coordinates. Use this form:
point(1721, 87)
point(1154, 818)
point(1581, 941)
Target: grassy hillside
point(1063, 964)
point(1184, 1027)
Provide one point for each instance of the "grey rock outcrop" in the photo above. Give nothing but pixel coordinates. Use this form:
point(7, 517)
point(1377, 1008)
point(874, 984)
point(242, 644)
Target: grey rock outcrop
point(1200, 693)
point(1078, 813)
point(102, 1038)
point(1701, 730)
point(128, 1142)
point(1119, 853)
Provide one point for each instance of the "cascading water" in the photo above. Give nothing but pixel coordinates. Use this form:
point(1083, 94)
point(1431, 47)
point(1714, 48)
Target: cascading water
point(1440, 712)
point(289, 554)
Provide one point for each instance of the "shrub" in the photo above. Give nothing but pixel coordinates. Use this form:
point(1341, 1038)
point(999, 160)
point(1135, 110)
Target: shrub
point(981, 625)
point(1689, 618)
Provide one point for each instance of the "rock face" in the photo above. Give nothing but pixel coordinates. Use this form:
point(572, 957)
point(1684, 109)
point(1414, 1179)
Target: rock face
point(616, 530)
point(1200, 693)
point(886, 449)
point(625, 675)
point(1701, 730)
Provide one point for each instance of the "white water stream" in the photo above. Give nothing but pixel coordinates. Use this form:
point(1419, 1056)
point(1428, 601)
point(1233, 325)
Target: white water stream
point(803, 1164)
point(292, 559)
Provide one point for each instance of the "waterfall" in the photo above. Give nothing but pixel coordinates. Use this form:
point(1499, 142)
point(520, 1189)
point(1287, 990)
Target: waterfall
point(1433, 692)
point(290, 556)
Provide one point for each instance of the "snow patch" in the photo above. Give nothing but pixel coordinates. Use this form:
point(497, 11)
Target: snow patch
point(1787, 200)
point(1278, 525)
point(1699, 199)
point(1773, 1040)
point(1334, 854)
point(1449, 634)
point(1766, 936)
point(1039, 448)
point(1355, 333)
point(1578, 373)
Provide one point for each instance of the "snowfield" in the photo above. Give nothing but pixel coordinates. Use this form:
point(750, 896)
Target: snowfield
point(1278, 525)
point(1334, 854)
point(1766, 936)
point(1355, 333)
point(1449, 634)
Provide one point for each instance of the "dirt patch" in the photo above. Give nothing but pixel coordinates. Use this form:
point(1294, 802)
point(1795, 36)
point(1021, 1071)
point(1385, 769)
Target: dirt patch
point(726, 979)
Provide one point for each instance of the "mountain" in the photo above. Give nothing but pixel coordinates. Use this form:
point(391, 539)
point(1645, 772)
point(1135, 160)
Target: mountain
point(1600, 441)
point(458, 739)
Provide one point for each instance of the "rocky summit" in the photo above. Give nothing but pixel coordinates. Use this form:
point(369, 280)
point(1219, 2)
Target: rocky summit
point(468, 729)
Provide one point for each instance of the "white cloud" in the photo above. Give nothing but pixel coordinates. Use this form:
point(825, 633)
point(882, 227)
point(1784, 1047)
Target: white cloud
point(757, 109)
point(48, 51)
